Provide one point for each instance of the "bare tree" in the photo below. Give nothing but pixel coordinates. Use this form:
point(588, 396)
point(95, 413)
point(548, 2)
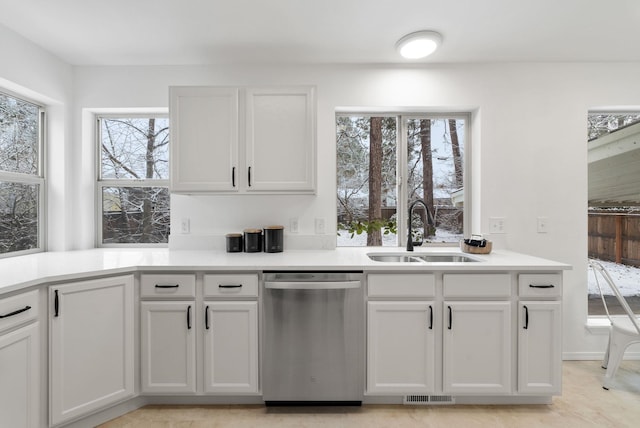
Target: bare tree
point(374, 237)
point(427, 174)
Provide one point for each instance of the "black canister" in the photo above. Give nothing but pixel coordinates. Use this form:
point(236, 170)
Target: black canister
point(234, 243)
point(252, 240)
point(273, 239)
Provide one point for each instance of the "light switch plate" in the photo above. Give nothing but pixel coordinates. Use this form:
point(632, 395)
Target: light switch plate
point(497, 225)
point(319, 226)
point(293, 225)
point(185, 225)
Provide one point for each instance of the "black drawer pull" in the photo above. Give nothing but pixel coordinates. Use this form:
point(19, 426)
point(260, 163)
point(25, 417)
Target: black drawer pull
point(189, 317)
point(19, 311)
point(526, 317)
point(233, 177)
point(167, 286)
point(542, 286)
point(229, 286)
point(56, 304)
point(206, 318)
point(450, 317)
point(249, 176)
point(430, 317)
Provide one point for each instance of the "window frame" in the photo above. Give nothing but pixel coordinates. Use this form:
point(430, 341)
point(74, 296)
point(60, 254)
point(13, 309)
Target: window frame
point(102, 183)
point(38, 179)
point(402, 116)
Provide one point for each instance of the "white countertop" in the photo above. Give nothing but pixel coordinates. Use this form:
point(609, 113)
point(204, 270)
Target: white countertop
point(21, 272)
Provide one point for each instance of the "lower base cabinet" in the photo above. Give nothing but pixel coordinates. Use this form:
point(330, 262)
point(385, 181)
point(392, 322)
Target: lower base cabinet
point(168, 347)
point(91, 346)
point(231, 347)
point(19, 377)
point(539, 347)
point(401, 347)
point(477, 348)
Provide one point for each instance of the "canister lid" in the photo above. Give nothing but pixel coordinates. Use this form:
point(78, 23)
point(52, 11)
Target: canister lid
point(274, 227)
point(252, 231)
point(234, 235)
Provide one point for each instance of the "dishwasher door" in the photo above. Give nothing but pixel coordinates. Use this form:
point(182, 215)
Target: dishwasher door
point(313, 338)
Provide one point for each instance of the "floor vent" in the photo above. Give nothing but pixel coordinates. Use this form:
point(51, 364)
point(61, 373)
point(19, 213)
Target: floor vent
point(428, 399)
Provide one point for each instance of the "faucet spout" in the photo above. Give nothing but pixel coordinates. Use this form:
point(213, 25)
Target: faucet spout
point(429, 221)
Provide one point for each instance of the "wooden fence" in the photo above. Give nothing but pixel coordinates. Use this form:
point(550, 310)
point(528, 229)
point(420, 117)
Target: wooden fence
point(615, 237)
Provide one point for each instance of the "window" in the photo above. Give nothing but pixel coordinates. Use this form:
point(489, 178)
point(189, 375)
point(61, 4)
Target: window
point(385, 163)
point(614, 207)
point(21, 176)
point(133, 185)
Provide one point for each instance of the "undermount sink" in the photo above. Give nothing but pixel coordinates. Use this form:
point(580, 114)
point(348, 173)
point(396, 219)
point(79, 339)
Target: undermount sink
point(420, 258)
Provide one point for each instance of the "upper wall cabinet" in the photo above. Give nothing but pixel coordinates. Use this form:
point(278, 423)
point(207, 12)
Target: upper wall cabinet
point(204, 139)
point(245, 140)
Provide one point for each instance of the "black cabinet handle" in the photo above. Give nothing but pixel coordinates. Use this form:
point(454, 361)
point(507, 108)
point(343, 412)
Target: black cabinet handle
point(189, 317)
point(542, 286)
point(167, 285)
point(249, 176)
point(233, 177)
point(206, 318)
point(526, 317)
point(56, 304)
point(430, 317)
point(229, 286)
point(19, 311)
point(450, 317)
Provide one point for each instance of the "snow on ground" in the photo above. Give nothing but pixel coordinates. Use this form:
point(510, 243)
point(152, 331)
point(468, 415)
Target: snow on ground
point(627, 278)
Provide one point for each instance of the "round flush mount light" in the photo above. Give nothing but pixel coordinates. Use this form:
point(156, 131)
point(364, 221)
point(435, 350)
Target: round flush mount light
point(419, 44)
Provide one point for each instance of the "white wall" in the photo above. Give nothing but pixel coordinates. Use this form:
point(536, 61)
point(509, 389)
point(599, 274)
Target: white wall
point(31, 72)
point(529, 149)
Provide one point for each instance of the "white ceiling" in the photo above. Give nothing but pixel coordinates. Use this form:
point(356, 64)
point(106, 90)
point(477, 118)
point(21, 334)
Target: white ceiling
point(174, 32)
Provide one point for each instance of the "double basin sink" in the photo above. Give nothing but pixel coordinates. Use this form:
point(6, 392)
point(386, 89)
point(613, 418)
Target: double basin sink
point(421, 258)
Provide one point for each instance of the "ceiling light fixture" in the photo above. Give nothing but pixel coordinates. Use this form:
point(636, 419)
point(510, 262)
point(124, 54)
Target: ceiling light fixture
point(419, 44)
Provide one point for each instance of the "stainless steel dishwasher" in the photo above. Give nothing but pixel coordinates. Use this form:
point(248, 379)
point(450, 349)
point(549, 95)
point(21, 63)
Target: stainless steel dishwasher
point(313, 338)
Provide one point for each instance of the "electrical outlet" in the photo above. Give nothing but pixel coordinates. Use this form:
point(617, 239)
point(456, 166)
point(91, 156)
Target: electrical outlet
point(319, 226)
point(185, 226)
point(497, 225)
point(293, 225)
point(543, 224)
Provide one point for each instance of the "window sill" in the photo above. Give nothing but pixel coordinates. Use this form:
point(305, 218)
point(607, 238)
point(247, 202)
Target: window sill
point(598, 325)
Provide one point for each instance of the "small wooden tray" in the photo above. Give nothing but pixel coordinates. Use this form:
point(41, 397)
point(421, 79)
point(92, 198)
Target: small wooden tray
point(475, 250)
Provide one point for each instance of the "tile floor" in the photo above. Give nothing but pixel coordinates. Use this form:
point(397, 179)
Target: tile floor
point(583, 404)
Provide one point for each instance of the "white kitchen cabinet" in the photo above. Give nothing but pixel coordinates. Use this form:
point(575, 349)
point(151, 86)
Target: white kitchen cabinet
point(91, 346)
point(280, 133)
point(400, 347)
point(168, 347)
point(231, 347)
point(274, 153)
point(204, 139)
point(539, 347)
point(20, 381)
point(477, 347)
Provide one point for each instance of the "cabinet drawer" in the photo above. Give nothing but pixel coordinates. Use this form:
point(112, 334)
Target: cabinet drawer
point(540, 284)
point(230, 285)
point(168, 285)
point(477, 285)
point(18, 309)
point(401, 285)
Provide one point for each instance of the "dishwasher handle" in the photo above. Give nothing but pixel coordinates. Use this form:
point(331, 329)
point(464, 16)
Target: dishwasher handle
point(311, 285)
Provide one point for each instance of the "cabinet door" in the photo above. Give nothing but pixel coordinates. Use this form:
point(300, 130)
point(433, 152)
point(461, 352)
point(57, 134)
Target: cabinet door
point(91, 346)
point(20, 374)
point(400, 347)
point(477, 347)
point(204, 139)
point(168, 348)
point(281, 134)
point(231, 347)
point(539, 348)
